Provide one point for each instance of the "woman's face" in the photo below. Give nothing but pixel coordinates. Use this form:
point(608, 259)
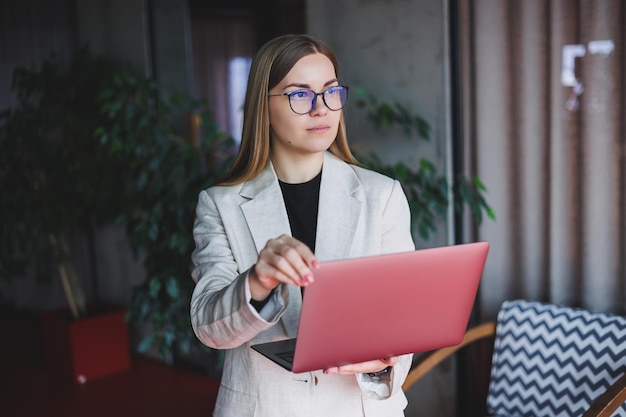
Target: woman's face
point(295, 134)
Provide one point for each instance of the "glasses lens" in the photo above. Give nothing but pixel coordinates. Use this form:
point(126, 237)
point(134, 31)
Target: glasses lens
point(336, 97)
point(301, 101)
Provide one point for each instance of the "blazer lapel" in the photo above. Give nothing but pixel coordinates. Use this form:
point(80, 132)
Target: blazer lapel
point(267, 219)
point(264, 209)
point(338, 214)
point(339, 211)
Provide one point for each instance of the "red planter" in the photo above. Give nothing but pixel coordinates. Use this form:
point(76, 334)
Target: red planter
point(89, 348)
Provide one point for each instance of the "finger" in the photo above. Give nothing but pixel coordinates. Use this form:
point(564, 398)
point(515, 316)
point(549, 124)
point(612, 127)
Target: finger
point(301, 248)
point(271, 266)
point(359, 368)
point(391, 361)
point(269, 277)
point(283, 259)
point(292, 257)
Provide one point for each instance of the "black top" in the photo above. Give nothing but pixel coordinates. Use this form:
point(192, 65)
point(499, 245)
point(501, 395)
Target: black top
point(301, 201)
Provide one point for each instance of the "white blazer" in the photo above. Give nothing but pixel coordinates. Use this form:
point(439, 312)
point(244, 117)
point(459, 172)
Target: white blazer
point(361, 213)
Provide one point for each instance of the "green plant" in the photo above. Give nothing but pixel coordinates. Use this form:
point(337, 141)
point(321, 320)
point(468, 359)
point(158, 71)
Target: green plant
point(92, 144)
point(427, 191)
point(51, 171)
point(166, 172)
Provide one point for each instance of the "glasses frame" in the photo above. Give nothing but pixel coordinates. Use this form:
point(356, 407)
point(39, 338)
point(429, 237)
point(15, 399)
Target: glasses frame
point(314, 100)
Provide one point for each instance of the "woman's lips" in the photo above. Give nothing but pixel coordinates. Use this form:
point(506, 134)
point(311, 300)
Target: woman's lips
point(319, 129)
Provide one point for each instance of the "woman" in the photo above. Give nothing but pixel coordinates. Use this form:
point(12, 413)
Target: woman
point(293, 198)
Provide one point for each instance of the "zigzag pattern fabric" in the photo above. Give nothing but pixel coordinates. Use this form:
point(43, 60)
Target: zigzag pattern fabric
point(553, 361)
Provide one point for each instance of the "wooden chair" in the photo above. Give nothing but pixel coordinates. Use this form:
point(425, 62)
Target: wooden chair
point(548, 361)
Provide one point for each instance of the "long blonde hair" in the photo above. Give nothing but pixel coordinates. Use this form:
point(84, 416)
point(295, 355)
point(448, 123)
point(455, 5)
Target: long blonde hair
point(270, 65)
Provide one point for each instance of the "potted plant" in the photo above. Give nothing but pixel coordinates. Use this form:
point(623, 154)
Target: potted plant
point(167, 171)
point(59, 184)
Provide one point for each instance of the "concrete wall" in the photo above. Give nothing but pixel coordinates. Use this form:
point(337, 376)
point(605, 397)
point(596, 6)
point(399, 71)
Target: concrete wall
point(397, 49)
point(116, 28)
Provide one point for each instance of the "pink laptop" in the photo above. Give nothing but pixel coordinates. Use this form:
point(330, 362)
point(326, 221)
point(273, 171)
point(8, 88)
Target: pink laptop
point(388, 305)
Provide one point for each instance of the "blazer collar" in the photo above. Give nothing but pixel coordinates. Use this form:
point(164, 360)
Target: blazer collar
point(338, 215)
point(339, 210)
point(264, 208)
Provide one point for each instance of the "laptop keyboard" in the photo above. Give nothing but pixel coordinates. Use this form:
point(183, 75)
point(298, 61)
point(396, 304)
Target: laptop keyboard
point(286, 356)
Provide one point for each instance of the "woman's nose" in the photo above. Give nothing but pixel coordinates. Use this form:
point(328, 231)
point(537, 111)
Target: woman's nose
point(319, 107)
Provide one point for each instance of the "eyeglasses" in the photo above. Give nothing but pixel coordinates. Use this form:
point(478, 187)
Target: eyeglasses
point(303, 101)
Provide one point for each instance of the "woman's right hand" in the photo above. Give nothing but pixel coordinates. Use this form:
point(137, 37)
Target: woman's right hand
point(284, 259)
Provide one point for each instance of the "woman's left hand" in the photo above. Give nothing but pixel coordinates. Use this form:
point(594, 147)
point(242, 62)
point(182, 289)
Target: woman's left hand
point(363, 367)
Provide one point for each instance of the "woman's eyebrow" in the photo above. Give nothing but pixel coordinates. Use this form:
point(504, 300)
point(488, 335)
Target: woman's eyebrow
point(301, 85)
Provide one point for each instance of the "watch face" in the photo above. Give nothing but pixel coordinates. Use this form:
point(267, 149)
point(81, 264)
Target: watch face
point(379, 373)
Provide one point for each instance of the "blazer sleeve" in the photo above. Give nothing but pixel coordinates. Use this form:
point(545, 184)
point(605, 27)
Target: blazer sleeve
point(221, 315)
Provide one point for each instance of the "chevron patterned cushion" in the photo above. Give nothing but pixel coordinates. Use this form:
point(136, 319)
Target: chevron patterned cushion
point(553, 361)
